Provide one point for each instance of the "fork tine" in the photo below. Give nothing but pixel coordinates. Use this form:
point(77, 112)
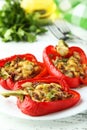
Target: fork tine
point(62, 25)
point(61, 30)
point(55, 31)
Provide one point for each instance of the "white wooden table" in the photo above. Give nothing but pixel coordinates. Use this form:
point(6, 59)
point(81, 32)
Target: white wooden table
point(77, 122)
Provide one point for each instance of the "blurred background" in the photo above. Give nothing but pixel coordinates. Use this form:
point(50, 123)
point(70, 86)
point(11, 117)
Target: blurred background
point(74, 11)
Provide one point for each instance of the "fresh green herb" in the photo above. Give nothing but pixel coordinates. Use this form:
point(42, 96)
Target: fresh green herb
point(16, 25)
point(7, 64)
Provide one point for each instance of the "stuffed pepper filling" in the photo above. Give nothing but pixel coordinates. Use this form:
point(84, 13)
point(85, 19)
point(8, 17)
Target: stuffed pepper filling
point(19, 68)
point(45, 92)
point(70, 66)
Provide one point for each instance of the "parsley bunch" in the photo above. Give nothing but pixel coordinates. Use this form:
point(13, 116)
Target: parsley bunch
point(16, 25)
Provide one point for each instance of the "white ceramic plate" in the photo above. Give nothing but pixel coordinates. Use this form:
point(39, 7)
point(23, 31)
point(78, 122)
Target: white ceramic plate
point(8, 105)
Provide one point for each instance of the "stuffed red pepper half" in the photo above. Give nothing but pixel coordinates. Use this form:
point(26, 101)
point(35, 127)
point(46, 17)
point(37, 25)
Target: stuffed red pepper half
point(43, 96)
point(69, 63)
point(19, 67)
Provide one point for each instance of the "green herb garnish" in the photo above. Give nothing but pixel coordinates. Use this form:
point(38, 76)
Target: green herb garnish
point(16, 25)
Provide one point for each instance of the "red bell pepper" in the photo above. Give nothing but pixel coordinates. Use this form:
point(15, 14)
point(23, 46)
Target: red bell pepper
point(50, 53)
point(34, 108)
point(9, 83)
point(30, 107)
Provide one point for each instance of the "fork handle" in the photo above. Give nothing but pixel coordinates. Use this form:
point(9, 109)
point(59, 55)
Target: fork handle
point(73, 37)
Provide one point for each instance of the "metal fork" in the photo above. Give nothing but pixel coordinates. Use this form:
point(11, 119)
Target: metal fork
point(61, 30)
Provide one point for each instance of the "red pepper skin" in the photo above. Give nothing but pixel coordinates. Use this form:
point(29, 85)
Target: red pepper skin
point(50, 53)
point(33, 108)
point(9, 83)
point(81, 53)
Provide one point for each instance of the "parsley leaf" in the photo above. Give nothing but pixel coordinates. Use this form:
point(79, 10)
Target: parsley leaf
point(16, 25)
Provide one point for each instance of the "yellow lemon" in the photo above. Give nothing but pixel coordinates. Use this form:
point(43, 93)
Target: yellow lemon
point(45, 7)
